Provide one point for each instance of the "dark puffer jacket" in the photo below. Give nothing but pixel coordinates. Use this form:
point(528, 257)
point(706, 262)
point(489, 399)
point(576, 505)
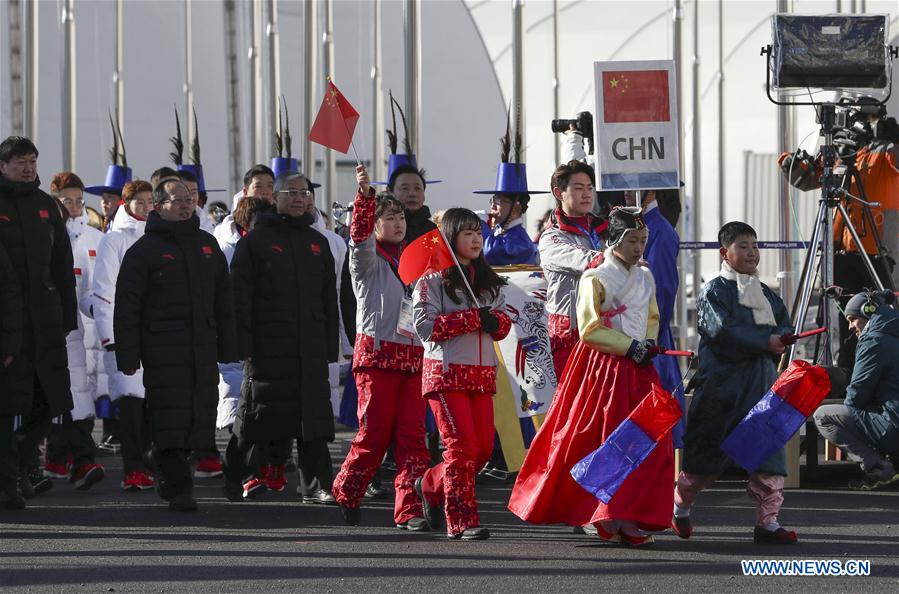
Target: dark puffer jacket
point(36, 241)
point(873, 394)
point(174, 316)
point(10, 316)
point(286, 303)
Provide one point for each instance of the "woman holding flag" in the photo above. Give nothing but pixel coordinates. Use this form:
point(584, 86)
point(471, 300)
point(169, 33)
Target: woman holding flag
point(386, 363)
point(609, 374)
point(457, 313)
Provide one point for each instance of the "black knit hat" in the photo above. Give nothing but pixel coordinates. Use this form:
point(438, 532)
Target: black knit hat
point(623, 219)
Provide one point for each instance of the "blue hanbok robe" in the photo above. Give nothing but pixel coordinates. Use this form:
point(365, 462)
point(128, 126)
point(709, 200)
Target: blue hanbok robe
point(508, 246)
point(662, 248)
point(736, 370)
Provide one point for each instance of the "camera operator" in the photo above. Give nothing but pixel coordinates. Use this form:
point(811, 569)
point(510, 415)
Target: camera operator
point(574, 132)
point(868, 143)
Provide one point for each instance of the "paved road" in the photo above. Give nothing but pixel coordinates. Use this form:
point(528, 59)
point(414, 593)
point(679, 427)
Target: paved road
point(106, 540)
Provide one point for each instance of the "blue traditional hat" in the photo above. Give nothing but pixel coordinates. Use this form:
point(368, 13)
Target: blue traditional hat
point(396, 160)
point(177, 155)
point(284, 162)
point(511, 177)
point(116, 178)
point(281, 165)
point(118, 174)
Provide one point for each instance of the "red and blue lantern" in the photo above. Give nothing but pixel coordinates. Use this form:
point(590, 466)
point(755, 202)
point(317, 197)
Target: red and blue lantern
point(604, 470)
point(778, 415)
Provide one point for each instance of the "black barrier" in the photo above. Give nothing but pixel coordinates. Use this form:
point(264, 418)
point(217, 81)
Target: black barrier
point(764, 245)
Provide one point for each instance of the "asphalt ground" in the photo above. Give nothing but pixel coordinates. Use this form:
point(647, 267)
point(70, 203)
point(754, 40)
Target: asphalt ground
point(105, 540)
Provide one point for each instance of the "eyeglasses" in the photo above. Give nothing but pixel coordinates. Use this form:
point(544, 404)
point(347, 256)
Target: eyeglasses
point(297, 193)
point(176, 200)
point(70, 202)
point(500, 201)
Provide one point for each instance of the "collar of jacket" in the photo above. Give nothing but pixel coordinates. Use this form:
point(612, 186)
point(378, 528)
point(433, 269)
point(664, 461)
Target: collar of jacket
point(15, 188)
point(157, 224)
point(565, 223)
point(419, 216)
point(274, 219)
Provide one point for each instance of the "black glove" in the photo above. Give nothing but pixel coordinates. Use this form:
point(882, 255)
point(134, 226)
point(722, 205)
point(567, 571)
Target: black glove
point(642, 352)
point(489, 322)
point(110, 348)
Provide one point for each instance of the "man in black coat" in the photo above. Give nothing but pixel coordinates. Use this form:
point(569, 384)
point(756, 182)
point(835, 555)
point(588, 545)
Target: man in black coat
point(285, 290)
point(174, 315)
point(35, 384)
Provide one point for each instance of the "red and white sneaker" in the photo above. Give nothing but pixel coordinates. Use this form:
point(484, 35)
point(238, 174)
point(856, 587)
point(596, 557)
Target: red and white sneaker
point(56, 470)
point(137, 481)
point(208, 468)
point(274, 478)
point(87, 475)
point(253, 488)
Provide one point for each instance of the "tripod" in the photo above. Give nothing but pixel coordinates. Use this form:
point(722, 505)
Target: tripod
point(822, 239)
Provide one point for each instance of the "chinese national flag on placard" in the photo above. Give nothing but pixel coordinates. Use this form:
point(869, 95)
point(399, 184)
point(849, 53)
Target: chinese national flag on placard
point(635, 96)
point(335, 122)
point(428, 253)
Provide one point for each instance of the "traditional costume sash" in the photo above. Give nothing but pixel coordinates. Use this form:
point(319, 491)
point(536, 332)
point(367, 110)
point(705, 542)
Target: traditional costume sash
point(751, 295)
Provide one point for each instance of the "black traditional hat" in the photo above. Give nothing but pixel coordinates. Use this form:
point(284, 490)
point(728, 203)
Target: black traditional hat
point(623, 219)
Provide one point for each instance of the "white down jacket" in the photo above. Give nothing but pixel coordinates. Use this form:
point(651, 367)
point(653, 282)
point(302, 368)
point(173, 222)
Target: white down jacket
point(124, 231)
point(86, 369)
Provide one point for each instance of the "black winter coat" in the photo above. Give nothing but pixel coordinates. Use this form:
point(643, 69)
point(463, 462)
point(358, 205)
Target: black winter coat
point(285, 291)
point(418, 223)
point(34, 236)
point(10, 315)
point(174, 315)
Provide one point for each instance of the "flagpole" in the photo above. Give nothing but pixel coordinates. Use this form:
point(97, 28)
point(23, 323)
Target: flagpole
point(459, 266)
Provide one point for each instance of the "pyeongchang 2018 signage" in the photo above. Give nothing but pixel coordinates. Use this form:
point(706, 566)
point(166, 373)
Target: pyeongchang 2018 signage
point(636, 125)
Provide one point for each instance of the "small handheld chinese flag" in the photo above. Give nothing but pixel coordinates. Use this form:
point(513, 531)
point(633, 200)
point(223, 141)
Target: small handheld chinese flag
point(428, 253)
point(335, 122)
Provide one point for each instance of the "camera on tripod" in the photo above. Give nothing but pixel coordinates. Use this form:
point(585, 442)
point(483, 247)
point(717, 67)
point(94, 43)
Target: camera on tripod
point(583, 124)
point(858, 122)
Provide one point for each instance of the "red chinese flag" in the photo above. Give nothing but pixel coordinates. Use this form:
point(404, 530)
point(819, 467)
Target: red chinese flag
point(335, 122)
point(635, 96)
point(428, 253)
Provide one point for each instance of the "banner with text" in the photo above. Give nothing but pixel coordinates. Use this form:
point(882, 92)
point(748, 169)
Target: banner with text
point(635, 126)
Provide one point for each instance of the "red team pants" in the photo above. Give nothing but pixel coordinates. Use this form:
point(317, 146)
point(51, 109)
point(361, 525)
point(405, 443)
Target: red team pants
point(465, 421)
point(390, 410)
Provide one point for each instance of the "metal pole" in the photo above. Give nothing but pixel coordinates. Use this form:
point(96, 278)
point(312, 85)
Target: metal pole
point(118, 82)
point(680, 312)
point(852, 6)
point(518, 78)
point(231, 74)
point(273, 88)
point(330, 177)
point(309, 85)
point(256, 150)
point(69, 129)
point(696, 211)
point(785, 142)
point(188, 72)
point(557, 149)
point(16, 91)
point(839, 6)
point(721, 122)
point(411, 30)
point(31, 71)
point(377, 142)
